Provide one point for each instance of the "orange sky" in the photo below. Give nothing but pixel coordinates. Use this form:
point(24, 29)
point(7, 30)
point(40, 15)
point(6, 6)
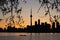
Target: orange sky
point(27, 22)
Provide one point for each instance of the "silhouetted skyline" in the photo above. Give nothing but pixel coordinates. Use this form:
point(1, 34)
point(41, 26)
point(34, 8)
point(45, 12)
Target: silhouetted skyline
point(36, 28)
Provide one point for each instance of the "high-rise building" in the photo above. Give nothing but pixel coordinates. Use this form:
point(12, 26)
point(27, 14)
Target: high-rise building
point(31, 18)
point(53, 25)
point(38, 21)
point(35, 22)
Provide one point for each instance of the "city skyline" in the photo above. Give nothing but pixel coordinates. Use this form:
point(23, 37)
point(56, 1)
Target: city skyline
point(34, 4)
point(38, 27)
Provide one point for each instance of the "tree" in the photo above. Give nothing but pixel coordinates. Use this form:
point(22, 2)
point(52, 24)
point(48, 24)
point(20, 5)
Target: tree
point(50, 5)
point(7, 6)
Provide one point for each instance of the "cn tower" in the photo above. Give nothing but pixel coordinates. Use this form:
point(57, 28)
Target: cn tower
point(31, 18)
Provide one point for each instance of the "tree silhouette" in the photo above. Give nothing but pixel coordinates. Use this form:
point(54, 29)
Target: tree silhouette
point(1, 19)
point(50, 6)
point(8, 6)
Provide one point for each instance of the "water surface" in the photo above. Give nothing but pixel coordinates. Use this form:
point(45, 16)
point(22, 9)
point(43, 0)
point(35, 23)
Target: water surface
point(34, 36)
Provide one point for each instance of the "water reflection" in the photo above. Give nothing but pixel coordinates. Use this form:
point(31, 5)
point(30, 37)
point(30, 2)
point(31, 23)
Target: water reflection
point(30, 36)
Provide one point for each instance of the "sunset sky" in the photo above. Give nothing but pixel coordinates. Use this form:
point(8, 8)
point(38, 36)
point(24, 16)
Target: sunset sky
point(26, 9)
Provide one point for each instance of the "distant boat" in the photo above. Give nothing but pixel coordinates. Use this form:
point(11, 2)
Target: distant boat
point(22, 35)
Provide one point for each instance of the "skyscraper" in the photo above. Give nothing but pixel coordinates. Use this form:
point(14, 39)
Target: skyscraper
point(35, 23)
point(53, 25)
point(38, 21)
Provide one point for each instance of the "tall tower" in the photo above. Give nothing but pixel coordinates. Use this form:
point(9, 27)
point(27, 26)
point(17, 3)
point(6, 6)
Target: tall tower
point(31, 17)
point(31, 23)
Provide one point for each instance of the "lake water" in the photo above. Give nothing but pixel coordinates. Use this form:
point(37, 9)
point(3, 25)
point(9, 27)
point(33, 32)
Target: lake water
point(34, 36)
